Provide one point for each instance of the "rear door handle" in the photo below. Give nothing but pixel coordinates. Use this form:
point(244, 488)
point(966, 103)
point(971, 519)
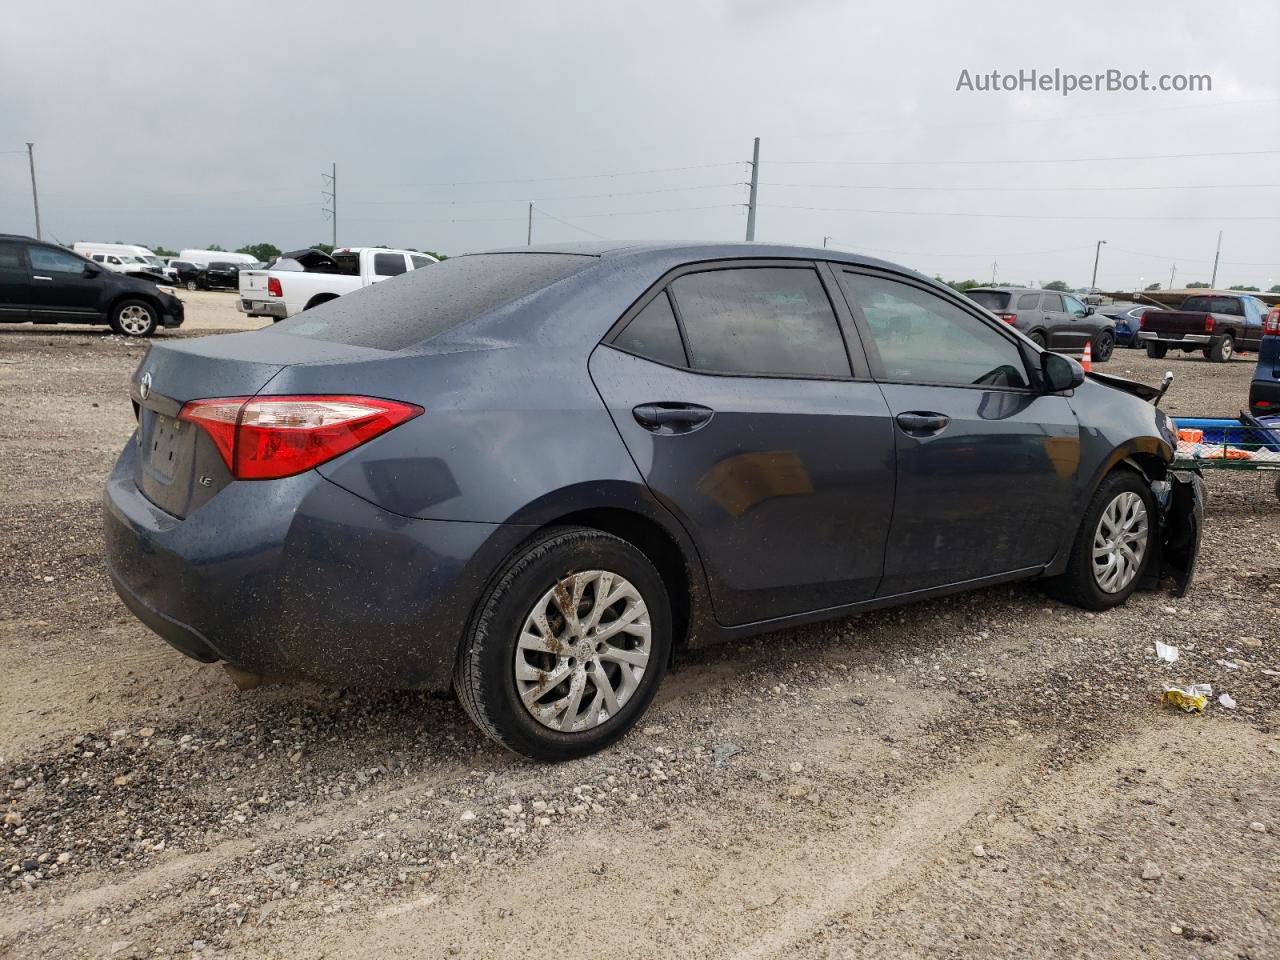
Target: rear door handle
point(922, 424)
point(672, 417)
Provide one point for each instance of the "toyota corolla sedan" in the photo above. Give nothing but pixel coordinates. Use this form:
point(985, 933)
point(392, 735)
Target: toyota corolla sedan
point(532, 475)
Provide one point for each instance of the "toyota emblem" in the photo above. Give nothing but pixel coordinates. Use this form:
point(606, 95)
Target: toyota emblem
point(144, 385)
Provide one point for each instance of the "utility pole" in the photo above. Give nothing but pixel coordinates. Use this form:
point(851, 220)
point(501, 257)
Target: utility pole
point(755, 186)
point(1173, 272)
point(1097, 252)
point(994, 264)
point(824, 242)
point(529, 238)
point(1213, 282)
point(35, 198)
point(332, 196)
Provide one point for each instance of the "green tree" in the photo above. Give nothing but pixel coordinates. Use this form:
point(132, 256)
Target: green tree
point(162, 251)
point(444, 256)
point(1275, 289)
point(323, 247)
point(261, 251)
point(1198, 285)
point(1153, 286)
point(961, 285)
point(1057, 285)
point(215, 247)
point(1245, 289)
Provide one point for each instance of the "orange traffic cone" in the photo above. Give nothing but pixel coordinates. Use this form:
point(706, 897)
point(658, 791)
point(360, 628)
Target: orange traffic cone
point(1087, 360)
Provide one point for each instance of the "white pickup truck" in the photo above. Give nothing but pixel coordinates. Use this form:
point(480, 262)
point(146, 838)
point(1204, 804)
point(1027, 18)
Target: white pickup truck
point(303, 279)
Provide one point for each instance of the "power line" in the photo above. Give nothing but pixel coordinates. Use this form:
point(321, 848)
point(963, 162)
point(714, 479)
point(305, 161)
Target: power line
point(552, 199)
point(543, 212)
point(1192, 186)
point(581, 176)
point(904, 163)
point(1002, 216)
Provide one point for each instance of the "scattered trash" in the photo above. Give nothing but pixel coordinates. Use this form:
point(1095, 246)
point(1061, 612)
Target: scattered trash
point(1166, 652)
point(1258, 827)
point(1192, 699)
point(1151, 872)
point(1230, 665)
point(979, 851)
point(1227, 701)
point(721, 753)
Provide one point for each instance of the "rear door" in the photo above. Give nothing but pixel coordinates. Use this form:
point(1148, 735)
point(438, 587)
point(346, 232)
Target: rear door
point(986, 465)
point(750, 419)
point(60, 290)
point(15, 283)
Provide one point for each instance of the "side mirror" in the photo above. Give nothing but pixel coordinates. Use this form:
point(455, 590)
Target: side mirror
point(1059, 373)
point(1088, 310)
point(91, 271)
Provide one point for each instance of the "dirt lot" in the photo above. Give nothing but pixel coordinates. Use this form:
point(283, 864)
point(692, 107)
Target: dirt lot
point(988, 775)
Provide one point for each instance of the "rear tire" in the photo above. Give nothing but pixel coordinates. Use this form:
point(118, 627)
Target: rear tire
point(508, 656)
point(1156, 351)
point(1038, 339)
point(1103, 346)
point(192, 285)
point(134, 318)
point(1222, 350)
point(1082, 583)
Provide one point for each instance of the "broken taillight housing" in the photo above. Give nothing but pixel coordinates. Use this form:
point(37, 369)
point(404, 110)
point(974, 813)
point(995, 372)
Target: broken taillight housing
point(266, 438)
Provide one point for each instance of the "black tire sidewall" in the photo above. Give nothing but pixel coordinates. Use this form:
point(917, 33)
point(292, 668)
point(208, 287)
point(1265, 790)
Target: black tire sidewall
point(492, 640)
point(1079, 574)
point(1156, 351)
point(1104, 347)
point(119, 307)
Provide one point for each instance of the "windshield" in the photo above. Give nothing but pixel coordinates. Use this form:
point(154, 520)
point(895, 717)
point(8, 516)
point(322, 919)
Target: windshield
point(994, 300)
point(1231, 306)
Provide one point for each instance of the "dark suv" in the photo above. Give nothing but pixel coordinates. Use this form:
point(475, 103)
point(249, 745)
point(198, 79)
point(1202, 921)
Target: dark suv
point(45, 283)
point(1052, 319)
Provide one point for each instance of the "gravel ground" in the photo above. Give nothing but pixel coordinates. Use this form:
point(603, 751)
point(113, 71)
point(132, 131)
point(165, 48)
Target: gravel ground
point(986, 775)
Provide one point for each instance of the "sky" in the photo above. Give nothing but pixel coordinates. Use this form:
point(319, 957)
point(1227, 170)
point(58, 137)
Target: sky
point(184, 125)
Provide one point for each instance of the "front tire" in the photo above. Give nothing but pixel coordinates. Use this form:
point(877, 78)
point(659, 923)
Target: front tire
point(1038, 339)
point(1156, 351)
point(568, 646)
point(134, 318)
point(192, 285)
point(1112, 547)
point(1103, 346)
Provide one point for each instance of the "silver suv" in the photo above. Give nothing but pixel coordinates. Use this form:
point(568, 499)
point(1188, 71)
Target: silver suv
point(1058, 321)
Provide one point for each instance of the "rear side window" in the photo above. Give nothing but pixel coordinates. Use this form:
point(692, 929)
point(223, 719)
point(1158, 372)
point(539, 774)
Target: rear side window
point(768, 320)
point(993, 300)
point(388, 264)
point(1029, 301)
point(392, 316)
point(652, 333)
point(10, 257)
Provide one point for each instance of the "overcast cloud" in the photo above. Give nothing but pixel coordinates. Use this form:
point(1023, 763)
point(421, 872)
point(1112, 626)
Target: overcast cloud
point(186, 124)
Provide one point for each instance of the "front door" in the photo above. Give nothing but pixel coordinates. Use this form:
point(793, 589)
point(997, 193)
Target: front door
point(60, 289)
point(1081, 326)
point(15, 283)
point(735, 395)
point(986, 464)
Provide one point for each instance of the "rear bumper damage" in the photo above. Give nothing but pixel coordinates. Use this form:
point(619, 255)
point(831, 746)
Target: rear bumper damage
point(1180, 502)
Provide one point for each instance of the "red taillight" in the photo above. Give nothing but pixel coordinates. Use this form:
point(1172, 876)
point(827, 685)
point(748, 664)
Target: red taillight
point(273, 287)
point(266, 438)
point(1008, 317)
point(1208, 323)
point(1271, 326)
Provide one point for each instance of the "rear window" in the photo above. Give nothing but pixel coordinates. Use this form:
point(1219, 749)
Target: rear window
point(1228, 305)
point(424, 303)
point(993, 300)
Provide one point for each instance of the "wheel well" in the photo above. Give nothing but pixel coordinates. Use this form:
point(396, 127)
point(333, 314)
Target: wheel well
point(656, 544)
point(150, 301)
point(1147, 464)
point(320, 298)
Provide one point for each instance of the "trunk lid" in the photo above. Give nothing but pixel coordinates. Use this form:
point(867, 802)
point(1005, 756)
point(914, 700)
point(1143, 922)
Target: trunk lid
point(178, 468)
point(253, 283)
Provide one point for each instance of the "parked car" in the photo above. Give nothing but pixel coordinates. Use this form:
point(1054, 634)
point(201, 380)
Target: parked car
point(304, 279)
point(1125, 317)
point(126, 258)
point(1055, 320)
point(219, 276)
point(45, 283)
point(530, 475)
point(186, 273)
point(1264, 391)
point(1217, 324)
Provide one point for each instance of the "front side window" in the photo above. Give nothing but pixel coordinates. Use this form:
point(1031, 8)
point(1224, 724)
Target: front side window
point(1074, 306)
point(45, 259)
point(420, 262)
point(388, 264)
point(764, 320)
point(922, 338)
point(653, 334)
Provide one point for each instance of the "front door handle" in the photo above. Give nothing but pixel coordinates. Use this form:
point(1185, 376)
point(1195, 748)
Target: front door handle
point(670, 418)
point(921, 424)
point(36, 276)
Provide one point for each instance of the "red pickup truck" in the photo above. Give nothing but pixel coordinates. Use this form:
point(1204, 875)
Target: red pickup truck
point(1217, 324)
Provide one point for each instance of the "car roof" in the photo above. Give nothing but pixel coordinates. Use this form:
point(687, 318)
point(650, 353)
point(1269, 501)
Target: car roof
point(1016, 290)
point(19, 236)
point(693, 251)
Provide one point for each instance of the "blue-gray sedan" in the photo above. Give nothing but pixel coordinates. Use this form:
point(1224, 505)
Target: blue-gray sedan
point(532, 475)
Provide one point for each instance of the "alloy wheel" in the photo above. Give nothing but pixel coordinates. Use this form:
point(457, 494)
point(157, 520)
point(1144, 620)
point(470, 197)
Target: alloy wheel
point(1120, 542)
point(135, 320)
point(582, 651)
